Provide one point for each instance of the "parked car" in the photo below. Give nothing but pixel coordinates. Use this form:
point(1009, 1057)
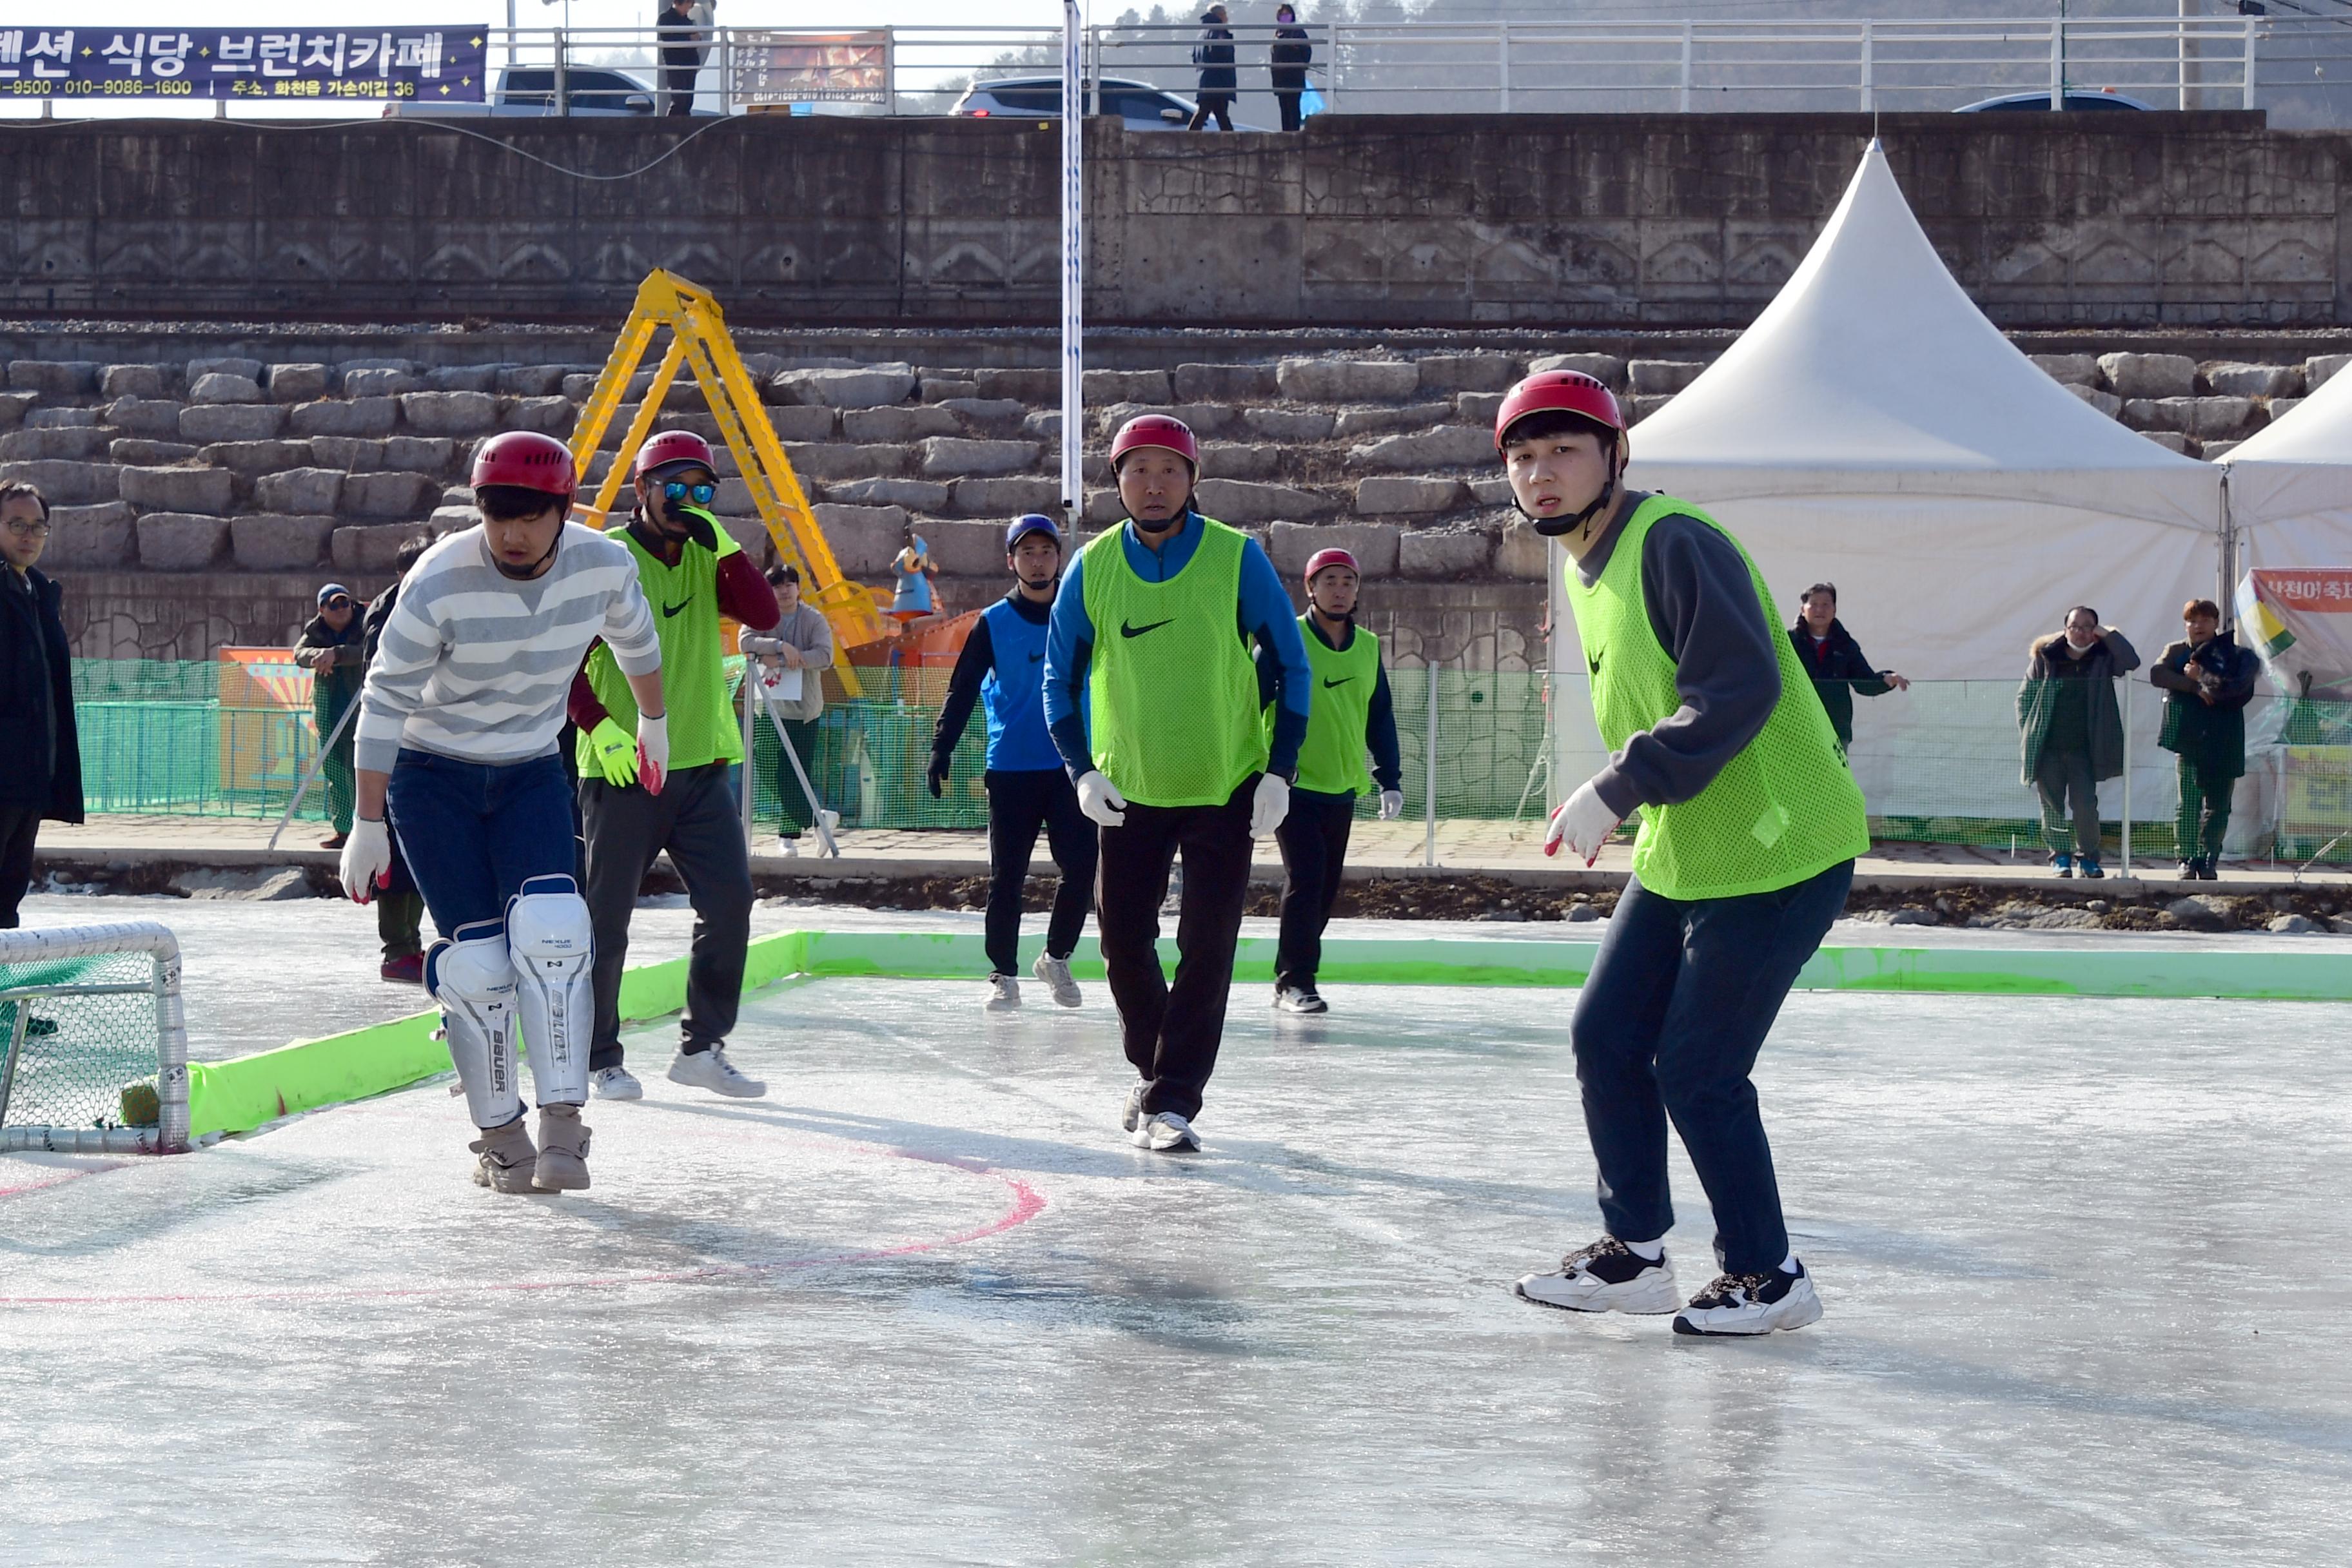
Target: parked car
point(589, 92)
point(1140, 105)
point(2076, 98)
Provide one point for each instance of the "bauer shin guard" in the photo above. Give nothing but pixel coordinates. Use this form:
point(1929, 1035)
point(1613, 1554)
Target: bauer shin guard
point(474, 981)
point(555, 988)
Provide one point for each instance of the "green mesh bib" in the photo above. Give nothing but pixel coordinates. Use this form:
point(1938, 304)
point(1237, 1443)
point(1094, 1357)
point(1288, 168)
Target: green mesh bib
point(1784, 809)
point(684, 602)
point(1172, 688)
point(1331, 758)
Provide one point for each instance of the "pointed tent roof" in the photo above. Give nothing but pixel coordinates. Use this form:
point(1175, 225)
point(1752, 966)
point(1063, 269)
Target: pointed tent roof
point(1873, 372)
point(2316, 430)
point(2300, 467)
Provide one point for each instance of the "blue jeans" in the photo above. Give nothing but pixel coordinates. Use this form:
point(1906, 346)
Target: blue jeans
point(475, 832)
point(1668, 1025)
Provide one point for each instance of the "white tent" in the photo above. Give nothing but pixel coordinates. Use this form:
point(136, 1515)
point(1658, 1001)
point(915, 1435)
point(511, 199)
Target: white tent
point(1873, 429)
point(2291, 485)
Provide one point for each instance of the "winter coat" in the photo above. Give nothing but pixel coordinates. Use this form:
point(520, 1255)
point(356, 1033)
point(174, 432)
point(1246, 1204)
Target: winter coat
point(1291, 55)
point(41, 763)
point(335, 678)
point(1215, 60)
point(2047, 671)
point(1839, 670)
point(2211, 737)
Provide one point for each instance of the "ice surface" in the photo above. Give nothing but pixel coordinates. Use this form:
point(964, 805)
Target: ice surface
point(2083, 1264)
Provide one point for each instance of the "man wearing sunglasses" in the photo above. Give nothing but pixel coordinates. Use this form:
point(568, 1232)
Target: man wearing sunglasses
point(40, 763)
point(332, 648)
point(693, 573)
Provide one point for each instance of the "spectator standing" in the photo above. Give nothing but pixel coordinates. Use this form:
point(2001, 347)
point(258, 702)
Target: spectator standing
point(1291, 56)
point(1835, 661)
point(2208, 680)
point(40, 765)
point(399, 907)
point(801, 640)
point(333, 647)
point(1215, 55)
point(679, 34)
point(2071, 732)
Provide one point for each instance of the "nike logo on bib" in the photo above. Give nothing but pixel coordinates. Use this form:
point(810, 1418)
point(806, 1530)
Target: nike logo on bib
point(1594, 660)
point(673, 609)
point(1343, 680)
point(1129, 630)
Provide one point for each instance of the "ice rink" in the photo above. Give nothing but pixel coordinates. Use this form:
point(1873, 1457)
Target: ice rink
point(2084, 1265)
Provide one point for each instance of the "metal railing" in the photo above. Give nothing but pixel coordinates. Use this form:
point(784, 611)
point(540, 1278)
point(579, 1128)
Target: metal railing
point(2298, 67)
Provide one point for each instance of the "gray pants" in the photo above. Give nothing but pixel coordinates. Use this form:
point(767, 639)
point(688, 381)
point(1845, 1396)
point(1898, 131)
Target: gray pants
point(695, 819)
point(2065, 778)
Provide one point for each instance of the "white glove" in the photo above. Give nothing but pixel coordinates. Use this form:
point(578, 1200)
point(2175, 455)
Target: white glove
point(1392, 805)
point(652, 751)
point(1100, 800)
point(1269, 806)
point(367, 860)
point(1582, 823)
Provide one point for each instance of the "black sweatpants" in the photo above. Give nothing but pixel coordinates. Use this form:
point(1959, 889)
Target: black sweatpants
point(1314, 842)
point(1018, 803)
point(1172, 1033)
point(18, 825)
point(694, 819)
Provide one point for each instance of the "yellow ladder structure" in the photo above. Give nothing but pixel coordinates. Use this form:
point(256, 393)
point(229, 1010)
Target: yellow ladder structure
point(699, 340)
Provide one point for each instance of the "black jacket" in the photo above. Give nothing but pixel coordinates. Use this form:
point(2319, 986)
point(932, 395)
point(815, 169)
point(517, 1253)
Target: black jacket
point(2211, 737)
point(1216, 60)
point(1839, 670)
point(41, 759)
point(335, 684)
point(1291, 55)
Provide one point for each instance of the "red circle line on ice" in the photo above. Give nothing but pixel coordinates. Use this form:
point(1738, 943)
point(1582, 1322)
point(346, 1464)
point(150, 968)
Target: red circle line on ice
point(1027, 1205)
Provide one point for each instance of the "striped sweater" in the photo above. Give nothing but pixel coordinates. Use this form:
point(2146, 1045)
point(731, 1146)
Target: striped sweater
point(477, 666)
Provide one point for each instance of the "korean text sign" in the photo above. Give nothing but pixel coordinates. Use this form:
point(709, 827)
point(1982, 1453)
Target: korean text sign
point(433, 64)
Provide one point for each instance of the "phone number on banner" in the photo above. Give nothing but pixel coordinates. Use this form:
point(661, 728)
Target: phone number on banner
point(442, 64)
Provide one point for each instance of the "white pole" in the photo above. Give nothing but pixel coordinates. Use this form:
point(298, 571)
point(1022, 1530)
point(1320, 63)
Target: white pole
point(2128, 773)
point(1074, 278)
point(1429, 774)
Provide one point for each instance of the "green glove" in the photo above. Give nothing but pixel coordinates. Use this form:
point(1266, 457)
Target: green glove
point(615, 751)
point(708, 533)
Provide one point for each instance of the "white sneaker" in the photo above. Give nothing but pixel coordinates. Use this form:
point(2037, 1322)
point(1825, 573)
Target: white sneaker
point(790, 848)
point(1134, 1113)
point(710, 1069)
point(1606, 1277)
point(615, 1083)
point(1752, 1304)
point(1003, 994)
point(1165, 1132)
point(1054, 973)
point(1299, 999)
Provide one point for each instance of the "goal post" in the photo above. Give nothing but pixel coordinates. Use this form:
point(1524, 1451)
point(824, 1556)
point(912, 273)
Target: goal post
point(93, 1040)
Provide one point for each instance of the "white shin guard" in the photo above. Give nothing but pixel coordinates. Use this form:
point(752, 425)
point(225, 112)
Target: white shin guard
point(474, 981)
point(553, 949)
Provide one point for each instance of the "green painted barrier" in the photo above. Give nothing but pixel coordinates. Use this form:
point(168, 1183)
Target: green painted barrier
point(239, 1095)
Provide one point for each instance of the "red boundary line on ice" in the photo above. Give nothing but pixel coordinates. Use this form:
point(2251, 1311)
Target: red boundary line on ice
point(1027, 1205)
point(21, 1190)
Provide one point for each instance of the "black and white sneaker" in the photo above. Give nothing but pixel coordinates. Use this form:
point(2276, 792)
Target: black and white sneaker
point(1299, 999)
point(1752, 1304)
point(1606, 1277)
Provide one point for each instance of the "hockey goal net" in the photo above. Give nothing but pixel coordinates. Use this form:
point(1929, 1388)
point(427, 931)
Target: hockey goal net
point(93, 1045)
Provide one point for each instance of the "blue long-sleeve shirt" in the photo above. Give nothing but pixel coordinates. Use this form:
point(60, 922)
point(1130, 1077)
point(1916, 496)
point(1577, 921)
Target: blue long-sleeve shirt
point(1264, 614)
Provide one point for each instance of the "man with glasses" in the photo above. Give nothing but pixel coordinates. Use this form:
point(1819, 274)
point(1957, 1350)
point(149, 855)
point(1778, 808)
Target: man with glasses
point(40, 764)
point(693, 573)
point(332, 647)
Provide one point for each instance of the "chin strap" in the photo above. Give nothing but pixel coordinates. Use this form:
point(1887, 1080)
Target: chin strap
point(524, 573)
point(1552, 527)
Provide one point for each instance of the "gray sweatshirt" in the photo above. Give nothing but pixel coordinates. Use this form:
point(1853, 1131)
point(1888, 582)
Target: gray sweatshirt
point(807, 630)
point(1704, 611)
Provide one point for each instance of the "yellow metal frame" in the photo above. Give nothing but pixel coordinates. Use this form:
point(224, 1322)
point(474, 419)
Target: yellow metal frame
point(700, 340)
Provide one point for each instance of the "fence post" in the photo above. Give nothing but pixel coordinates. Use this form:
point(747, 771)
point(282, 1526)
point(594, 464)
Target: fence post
point(1869, 85)
point(1503, 33)
point(2248, 24)
point(1682, 104)
point(1429, 774)
point(1331, 98)
point(2128, 773)
point(2058, 62)
point(562, 97)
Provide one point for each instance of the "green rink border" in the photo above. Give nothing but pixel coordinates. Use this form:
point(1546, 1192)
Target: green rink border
point(247, 1092)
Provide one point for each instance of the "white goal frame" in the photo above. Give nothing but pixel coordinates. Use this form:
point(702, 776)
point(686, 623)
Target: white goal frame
point(170, 1134)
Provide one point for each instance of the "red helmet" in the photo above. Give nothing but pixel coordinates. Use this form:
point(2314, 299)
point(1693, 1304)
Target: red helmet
point(527, 460)
point(1156, 430)
point(1334, 556)
point(675, 446)
point(1567, 391)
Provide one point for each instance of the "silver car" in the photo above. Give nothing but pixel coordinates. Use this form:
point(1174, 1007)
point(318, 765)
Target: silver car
point(1140, 105)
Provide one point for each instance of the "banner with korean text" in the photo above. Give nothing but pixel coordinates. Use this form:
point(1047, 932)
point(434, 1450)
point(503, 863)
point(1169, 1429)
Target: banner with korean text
point(439, 65)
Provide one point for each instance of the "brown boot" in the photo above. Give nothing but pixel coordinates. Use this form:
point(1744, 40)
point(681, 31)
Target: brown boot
point(562, 1150)
point(507, 1161)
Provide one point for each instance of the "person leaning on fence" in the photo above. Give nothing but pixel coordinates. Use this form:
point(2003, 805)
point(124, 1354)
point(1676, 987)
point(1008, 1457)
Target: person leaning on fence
point(40, 763)
point(679, 34)
point(1215, 55)
point(1835, 661)
point(1290, 57)
point(2071, 732)
point(332, 647)
point(2208, 681)
point(802, 639)
point(399, 907)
